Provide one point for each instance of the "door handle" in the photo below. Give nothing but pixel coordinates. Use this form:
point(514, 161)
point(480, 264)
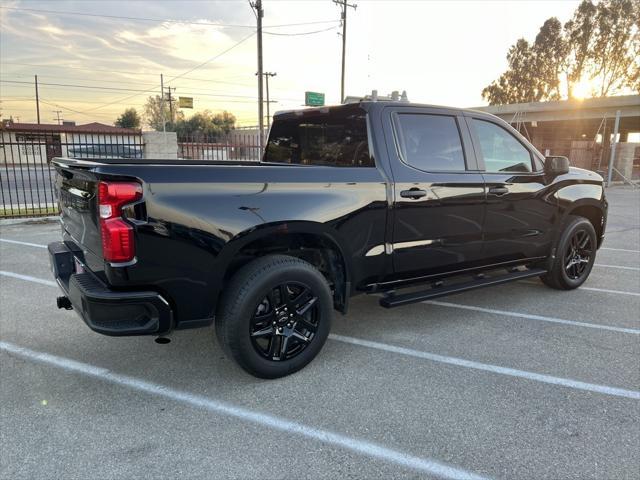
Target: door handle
point(498, 191)
point(414, 193)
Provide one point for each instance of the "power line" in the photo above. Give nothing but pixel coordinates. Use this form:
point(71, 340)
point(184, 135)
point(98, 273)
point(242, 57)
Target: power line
point(161, 20)
point(67, 108)
point(101, 87)
point(301, 33)
point(17, 98)
point(82, 78)
point(92, 87)
point(124, 72)
point(215, 57)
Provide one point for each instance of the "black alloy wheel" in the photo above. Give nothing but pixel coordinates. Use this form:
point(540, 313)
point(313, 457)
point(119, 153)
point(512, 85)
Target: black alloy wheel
point(285, 321)
point(578, 254)
point(274, 315)
point(575, 255)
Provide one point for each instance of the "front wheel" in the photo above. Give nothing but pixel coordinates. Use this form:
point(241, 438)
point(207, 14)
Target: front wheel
point(275, 315)
point(575, 255)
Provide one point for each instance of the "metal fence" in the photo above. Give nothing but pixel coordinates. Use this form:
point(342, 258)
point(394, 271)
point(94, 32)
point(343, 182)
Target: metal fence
point(27, 176)
point(237, 145)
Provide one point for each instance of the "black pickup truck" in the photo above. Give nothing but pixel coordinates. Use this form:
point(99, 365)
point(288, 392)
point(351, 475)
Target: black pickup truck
point(408, 201)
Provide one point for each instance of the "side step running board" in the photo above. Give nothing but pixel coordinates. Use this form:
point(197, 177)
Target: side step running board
point(394, 300)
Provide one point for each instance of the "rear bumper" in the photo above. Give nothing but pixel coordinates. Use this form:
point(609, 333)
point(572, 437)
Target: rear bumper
point(104, 310)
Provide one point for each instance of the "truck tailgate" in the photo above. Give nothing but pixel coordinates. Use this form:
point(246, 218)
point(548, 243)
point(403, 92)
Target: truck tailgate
point(77, 193)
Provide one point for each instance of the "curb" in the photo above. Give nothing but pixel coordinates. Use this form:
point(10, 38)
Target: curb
point(29, 220)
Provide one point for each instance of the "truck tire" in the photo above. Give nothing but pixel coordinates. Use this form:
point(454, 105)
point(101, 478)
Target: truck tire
point(274, 316)
point(575, 255)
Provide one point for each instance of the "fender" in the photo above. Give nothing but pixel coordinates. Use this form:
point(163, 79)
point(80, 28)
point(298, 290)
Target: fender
point(571, 197)
point(246, 237)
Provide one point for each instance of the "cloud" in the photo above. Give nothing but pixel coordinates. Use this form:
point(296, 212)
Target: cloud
point(186, 42)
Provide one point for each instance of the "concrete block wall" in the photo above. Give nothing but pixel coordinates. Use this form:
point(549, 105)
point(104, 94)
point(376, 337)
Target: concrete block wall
point(160, 145)
point(625, 153)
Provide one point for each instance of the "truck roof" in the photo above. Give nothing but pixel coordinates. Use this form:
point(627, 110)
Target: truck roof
point(368, 105)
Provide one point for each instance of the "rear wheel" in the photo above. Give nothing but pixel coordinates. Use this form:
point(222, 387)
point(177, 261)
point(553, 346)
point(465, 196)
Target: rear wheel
point(275, 316)
point(575, 255)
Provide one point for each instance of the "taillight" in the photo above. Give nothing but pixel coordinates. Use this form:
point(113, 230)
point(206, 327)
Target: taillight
point(117, 235)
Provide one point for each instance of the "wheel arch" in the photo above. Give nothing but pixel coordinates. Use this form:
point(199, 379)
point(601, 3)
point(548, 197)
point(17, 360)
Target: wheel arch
point(592, 211)
point(313, 242)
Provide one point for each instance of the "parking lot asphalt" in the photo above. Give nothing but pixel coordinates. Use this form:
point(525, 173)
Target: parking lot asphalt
point(517, 381)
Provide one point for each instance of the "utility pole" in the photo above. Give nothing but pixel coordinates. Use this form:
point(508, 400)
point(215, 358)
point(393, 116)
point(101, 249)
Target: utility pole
point(266, 77)
point(171, 116)
point(37, 101)
point(257, 5)
point(344, 5)
point(164, 121)
point(58, 112)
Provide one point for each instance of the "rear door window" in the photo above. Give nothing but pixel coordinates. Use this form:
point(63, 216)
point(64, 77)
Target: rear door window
point(333, 137)
point(431, 142)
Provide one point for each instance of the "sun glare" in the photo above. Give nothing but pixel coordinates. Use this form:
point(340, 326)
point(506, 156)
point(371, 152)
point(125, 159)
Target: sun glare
point(583, 89)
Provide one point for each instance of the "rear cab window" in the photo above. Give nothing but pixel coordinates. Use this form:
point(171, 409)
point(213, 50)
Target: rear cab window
point(326, 137)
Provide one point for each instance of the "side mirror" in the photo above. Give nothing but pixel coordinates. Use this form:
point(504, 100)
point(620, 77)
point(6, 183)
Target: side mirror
point(555, 166)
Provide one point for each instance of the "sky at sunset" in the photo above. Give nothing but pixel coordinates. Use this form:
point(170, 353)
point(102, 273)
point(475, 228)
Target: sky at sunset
point(441, 52)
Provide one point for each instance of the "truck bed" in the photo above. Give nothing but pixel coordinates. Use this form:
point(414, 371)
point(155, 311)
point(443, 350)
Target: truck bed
point(151, 161)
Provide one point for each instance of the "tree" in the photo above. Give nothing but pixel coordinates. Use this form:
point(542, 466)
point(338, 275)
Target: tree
point(550, 51)
point(128, 119)
point(612, 57)
point(206, 124)
point(634, 73)
point(156, 113)
point(519, 83)
point(579, 34)
point(599, 46)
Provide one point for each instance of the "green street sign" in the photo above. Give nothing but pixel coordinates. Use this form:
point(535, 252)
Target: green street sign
point(313, 99)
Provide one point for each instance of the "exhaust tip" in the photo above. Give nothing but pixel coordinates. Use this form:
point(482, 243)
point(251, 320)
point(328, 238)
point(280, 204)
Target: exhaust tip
point(162, 340)
point(64, 302)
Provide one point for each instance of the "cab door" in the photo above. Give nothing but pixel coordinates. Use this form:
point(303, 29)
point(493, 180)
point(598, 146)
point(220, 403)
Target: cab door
point(439, 195)
point(521, 209)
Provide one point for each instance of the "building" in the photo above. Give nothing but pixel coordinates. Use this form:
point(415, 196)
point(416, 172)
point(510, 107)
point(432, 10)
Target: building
point(30, 142)
point(582, 130)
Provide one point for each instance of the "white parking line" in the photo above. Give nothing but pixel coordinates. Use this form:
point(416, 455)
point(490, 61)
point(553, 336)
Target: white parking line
point(606, 290)
point(620, 250)
point(619, 392)
point(533, 317)
point(363, 447)
point(28, 244)
point(593, 289)
point(512, 372)
point(621, 267)
point(28, 278)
